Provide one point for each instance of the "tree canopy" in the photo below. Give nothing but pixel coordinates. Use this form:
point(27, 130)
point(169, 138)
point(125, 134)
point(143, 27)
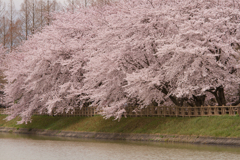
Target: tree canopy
point(135, 52)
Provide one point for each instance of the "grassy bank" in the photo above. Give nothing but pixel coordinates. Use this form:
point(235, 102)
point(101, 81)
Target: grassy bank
point(221, 126)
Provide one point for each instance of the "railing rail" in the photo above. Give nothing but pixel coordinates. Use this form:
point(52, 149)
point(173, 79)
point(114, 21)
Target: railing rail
point(159, 111)
point(164, 111)
point(85, 112)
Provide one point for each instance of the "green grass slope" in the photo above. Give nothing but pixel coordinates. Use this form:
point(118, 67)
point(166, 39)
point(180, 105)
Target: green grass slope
point(219, 126)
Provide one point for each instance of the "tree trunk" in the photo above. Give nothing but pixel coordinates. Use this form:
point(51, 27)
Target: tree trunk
point(26, 19)
point(219, 95)
point(4, 32)
point(238, 101)
point(199, 100)
point(33, 17)
point(48, 11)
point(11, 25)
point(175, 100)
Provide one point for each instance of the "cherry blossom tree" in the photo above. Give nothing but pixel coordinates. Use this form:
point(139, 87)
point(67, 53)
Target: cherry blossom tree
point(136, 52)
point(197, 55)
point(46, 71)
point(172, 53)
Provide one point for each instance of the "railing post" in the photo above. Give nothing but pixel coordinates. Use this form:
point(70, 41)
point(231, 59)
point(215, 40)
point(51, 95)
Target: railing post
point(164, 111)
point(238, 110)
point(230, 110)
point(176, 111)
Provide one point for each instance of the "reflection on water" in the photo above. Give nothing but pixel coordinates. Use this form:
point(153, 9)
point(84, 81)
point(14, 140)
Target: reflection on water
point(24, 147)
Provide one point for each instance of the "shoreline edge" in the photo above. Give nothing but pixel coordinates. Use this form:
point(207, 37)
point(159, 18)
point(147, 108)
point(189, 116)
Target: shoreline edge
point(126, 136)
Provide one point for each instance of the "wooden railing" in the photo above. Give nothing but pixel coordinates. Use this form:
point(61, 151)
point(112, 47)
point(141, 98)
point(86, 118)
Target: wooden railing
point(85, 112)
point(1, 98)
point(183, 111)
point(153, 111)
point(2, 110)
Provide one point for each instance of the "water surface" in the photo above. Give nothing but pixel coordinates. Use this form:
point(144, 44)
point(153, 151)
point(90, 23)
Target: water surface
point(25, 147)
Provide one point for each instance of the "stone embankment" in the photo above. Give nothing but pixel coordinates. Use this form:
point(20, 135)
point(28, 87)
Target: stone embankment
point(126, 136)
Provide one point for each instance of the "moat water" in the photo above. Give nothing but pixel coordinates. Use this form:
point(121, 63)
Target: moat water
point(28, 147)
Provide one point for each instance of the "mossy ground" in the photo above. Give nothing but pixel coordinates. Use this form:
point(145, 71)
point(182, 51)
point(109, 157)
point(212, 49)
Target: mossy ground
point(218, 126)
